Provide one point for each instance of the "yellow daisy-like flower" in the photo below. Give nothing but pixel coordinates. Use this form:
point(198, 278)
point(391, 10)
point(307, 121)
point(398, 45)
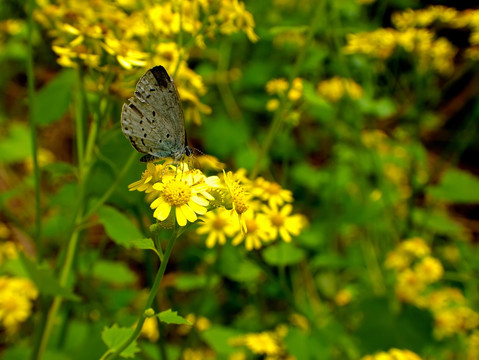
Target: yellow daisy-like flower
point(15, 301)
point(183, 194)
point(218, 225)
point(237, 198)
point(271, 192)
point(150, 176)
point(258, 230)
point(283, 223)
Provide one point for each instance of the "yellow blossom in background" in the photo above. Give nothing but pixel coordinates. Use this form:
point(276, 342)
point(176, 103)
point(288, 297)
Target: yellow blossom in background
point(258, 231)
point(268, 343)
point(16, 296)
point(429, 270)
point(415, 246)
point(218, 225)
point(473, 346)
point(393, 354)
point(343, 297)
point(277, 86)
point(8, 249)
point(296, 91)
point(283, 223)
point(150, 329)
point(336, 88)
point(409, 286)
point(237, 198)
point(271, 192)
point(200, 323)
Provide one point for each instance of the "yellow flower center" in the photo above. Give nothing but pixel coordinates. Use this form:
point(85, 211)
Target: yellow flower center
point(177, 193)
point(277, 220)
point(273, 188)
point(239, 199)
point(251, 225)
point(219, 223)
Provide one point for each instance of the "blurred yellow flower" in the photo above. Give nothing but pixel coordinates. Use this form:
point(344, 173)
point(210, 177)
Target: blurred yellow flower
point(277, 86)
point(282, 222)
point(429, 270)
point(336, 88)
point(150, 329)
point(218, 225)
point(16, 296)
point(393, 354)
point(258, 230)
point(271, 192)
point(343, 297)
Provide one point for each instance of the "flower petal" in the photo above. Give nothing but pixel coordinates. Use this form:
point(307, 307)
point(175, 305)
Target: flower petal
point(162, 211)
point(180, 217)
point(211, 239)
point(200, 201)
point(197, 208)
point(284, 234)
point(189, 214)
point(157, 202)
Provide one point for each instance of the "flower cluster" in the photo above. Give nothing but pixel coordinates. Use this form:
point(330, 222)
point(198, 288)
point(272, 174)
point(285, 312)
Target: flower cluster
point(230, 205)
point(336, 88)
point(279, 87)
point(415, 33)
point(393, 354)
point(416, 272)
point(16, 297)
point(269, 344)
point(110, 36)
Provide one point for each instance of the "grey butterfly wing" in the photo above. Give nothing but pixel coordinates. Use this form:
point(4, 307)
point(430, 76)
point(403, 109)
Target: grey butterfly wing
point(153, 120)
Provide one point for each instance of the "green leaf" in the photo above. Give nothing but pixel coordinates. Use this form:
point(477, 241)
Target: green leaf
point(16, 145)
point(172, 317)
point(115, 336)
point(439, 223)
point(456, 186)
point(118, 226)
point(144, 244)
point(283, 254)
point(188, 282)
point(218, 338)
point(236, 268)
point(112, 272)
point(44, 279)
point(52, 101)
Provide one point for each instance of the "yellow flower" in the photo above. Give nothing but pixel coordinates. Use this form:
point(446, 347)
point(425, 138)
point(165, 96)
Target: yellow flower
point(271, 192)
point(258, 230)
point(429, 269)
point(150, 176)
point(336, 88)
point(409, 286)
point(296, 90)
point(15, 301)
point(183, 194)
point(415, 246)
point(150, 329)
point(282, 222)
point(276, 86)
point(218, 225)
point(8, 250)
point(343, 297)
point(393, 354)
point(237, 198)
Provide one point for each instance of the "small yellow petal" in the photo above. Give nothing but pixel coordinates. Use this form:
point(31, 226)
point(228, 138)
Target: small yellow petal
point(197, 208)
point(200, 201)
point(162, 211)
point(189, 214)
point(157, 202)
point(284, 234)
point(180, 218)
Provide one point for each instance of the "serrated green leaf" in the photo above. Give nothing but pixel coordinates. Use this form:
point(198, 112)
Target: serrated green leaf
point(115, 336)
point(53, 99)
point(44, 279)
point(112, 272)
point(172, 317)
point(456, 186)
point(282, 254)
point(118, 226)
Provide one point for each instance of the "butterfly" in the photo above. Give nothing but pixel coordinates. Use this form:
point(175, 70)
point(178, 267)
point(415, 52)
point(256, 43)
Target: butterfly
point(153, 119)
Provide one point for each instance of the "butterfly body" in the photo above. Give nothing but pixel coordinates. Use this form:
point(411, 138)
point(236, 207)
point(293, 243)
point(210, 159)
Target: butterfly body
point(153, 119)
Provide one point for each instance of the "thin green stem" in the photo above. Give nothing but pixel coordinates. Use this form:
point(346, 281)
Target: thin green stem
point(112, 354)
point(284, 102)
point(33, 132)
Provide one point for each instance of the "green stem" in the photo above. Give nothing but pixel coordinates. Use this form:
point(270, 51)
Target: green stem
point(33, 132)
point(52, 312)
point(284, 105)
point(112, 354)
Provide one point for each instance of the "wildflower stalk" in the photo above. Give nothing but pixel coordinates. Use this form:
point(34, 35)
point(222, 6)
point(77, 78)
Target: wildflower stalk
point(284, 103)
point(154, 290)
point(33, 132)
